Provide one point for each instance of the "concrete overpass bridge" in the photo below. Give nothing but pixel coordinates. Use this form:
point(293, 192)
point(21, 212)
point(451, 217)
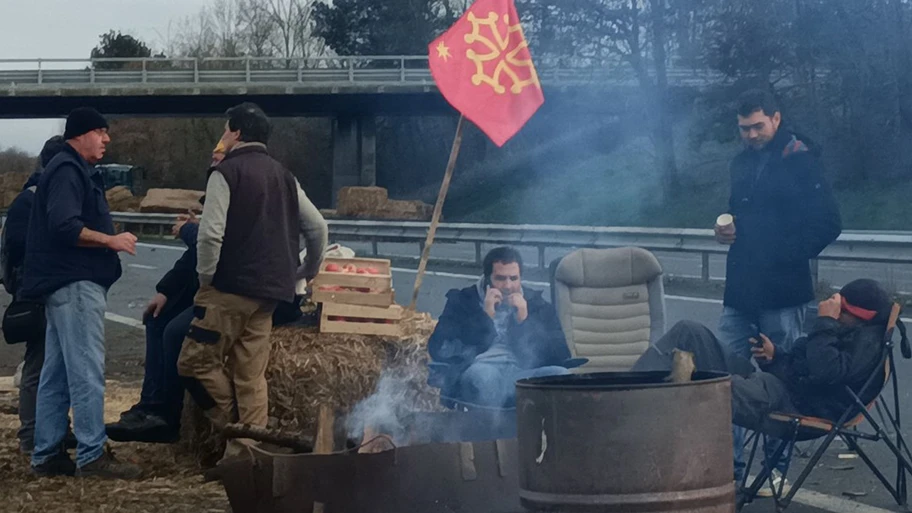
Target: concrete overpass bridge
point(351, 90)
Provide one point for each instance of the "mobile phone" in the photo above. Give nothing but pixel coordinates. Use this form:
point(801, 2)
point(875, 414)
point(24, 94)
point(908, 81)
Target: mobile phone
point(756, 340)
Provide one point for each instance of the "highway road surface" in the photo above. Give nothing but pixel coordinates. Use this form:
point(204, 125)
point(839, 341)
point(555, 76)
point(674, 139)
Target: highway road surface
point(827, 485)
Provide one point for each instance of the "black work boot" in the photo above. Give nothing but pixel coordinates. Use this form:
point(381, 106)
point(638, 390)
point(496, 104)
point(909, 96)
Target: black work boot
point(108, 467)
point(59, 465)
point(150, 429)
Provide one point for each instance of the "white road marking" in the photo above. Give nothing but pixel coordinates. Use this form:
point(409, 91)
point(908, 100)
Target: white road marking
point(830, 503)
point(141, 266)
point(160, 246)
point(695, 299)
point(129, 321)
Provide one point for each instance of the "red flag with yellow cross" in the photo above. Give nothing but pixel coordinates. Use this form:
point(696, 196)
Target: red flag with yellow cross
point(483, 67)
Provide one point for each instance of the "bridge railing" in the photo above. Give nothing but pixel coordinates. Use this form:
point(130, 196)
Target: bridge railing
point(852, 246)
point(367, 69)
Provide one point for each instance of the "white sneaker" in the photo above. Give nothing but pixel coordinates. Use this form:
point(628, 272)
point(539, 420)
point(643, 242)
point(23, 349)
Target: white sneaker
point(765, 491)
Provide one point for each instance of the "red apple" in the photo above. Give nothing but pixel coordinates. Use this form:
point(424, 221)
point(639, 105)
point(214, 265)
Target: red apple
point(333, 268)
point(361, 271)
point(371, 270)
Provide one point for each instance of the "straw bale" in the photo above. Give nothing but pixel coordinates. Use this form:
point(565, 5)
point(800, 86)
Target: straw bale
point(355, 201)
point(308, 369)
point(412, 210)
point(171, 201)
point(120, 199)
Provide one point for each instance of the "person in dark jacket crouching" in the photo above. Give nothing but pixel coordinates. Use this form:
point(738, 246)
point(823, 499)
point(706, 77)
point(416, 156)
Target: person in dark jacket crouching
point(71, 259)
point(156, 417)
point(492, 334)
point(805, 378)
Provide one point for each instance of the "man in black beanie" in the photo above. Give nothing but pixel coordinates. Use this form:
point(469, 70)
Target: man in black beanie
point(70, 262)
point(808, 378)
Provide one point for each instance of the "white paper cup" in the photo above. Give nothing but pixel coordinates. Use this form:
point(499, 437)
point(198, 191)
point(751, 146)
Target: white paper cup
point(725, 220)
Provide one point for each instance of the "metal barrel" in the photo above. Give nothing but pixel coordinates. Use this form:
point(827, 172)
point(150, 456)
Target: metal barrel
point(626, 442)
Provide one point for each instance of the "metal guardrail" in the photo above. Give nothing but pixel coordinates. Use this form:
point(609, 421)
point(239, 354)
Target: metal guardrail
point(856, 246)
point(399, 70)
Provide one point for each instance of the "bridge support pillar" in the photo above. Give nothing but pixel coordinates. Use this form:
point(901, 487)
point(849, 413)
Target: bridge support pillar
point(354, 140)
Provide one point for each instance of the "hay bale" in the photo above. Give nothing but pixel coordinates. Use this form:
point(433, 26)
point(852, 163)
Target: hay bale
point(411, 210)
point(171, 201)
point(356, 201)
point(308, 369)
point(119, 198)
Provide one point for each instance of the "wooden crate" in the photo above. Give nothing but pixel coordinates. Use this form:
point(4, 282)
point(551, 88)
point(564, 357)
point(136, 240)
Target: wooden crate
point(368, 319)
point(356, 289)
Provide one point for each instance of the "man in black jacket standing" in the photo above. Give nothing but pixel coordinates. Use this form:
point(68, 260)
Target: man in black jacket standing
point(784, 215)
point(493, 333)
point(70, 262)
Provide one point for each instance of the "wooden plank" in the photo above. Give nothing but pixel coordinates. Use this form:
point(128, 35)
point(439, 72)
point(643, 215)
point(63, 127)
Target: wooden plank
point(366, 281)
point(326, 421)
point(325, 441)
point(360, 328)
point(393, 312)
point(381, 299)
point(467, 461)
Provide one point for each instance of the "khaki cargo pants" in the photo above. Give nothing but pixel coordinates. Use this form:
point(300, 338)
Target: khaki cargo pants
point(225, 355)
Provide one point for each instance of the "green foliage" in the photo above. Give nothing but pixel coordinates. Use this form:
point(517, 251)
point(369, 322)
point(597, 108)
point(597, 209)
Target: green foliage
point(382, 27)
point(115, 44)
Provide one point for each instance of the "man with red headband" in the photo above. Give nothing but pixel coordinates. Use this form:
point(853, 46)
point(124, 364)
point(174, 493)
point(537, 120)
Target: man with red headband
point(844, 348)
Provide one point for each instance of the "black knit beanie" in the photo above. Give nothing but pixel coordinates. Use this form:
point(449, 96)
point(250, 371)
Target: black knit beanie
point(868, 295)
point(82, 121)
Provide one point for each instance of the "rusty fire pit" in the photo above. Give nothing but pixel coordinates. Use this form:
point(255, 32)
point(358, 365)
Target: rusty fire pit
point(626, 442)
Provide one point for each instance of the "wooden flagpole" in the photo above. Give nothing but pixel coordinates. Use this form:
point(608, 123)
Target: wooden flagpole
point(438, 209)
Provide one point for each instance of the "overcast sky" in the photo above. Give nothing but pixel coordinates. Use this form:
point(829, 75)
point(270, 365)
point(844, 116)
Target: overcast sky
point(70, 29)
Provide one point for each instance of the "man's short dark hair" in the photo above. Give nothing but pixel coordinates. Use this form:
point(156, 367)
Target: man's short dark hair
point(252, 122)
point(757, 100)
point(504, 255)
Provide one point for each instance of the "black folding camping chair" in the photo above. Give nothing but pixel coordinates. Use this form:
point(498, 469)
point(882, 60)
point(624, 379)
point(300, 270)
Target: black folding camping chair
point(796, 428)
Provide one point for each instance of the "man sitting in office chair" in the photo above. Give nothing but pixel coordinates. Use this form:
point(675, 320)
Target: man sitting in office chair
point(844, 348)
point(493, 333)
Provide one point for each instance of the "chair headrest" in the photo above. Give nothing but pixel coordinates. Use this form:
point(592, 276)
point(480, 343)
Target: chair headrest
point(606, 268)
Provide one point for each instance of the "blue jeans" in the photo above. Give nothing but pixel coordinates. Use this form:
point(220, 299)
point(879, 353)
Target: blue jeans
point(73, 374)
point(783, 327)
point(162, 389)
point(493, 383)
